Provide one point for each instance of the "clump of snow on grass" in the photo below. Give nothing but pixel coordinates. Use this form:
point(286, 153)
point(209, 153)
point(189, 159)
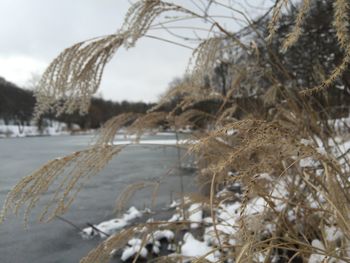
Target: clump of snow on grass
point(232, 174)
point(317, 258)
point(195, 215)
point(136, 245)
point(340, 125)
point(171, 247)
point(132, 213)
point(332, 233)
point(112, 226)
point(231, 132)
point(162, 234)
point(319, 253)
point(227, 217)
point(134, 248)
point(175, 217)
point(255, 206)
point(156, 247)
point(155, 238)
point(194, 248)
point(175, 203)
point(309, 162)
point(229, 212)
point(208, 220)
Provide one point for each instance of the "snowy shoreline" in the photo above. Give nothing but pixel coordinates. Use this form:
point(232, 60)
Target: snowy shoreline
point(19, 131)
point(191, 232)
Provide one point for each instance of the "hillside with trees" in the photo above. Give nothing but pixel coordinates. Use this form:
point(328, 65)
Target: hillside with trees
point(17, 107)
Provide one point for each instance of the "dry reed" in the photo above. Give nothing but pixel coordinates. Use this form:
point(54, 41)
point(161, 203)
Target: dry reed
point(268, 157)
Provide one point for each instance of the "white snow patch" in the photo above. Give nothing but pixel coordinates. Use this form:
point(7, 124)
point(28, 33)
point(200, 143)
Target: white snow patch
point(317, 258)
point(229, 213)
point(176, 217)
point(195, 215)
point(193, 248)
point(208, 220)
point(133, 250)
point(332, 233)
point(175, 203)
point(131, 214)
point(162, 234)
point(256, 206)
point(112, 226)
point(231, 132)
point(308, 162)
point(171, 247)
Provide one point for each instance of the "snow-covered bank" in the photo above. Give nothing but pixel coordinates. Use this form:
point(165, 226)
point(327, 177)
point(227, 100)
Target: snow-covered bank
point(155, 142)
point(216, 232)
point(54, 129)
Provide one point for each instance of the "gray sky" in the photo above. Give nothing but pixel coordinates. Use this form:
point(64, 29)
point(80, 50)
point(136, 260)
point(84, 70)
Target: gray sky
point(33, 32)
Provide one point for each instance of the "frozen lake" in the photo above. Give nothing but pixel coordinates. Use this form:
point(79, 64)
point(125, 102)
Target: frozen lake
point(58, 242)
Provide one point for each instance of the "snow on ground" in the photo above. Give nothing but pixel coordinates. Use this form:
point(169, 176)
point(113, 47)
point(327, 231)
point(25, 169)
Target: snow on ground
point(201, 238)
point(112, 226)
point(194, 248)
point(138, 246)
point(332, 233)
point(193, 245)
point(340, 125)
point(134, 247)
point(189, 246)
point(195, 214)
point(317, 258)
point(162, 234)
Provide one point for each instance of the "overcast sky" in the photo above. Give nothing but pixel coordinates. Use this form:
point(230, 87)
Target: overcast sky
point(33, 32)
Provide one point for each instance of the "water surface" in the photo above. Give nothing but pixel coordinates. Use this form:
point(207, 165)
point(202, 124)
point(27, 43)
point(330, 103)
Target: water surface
point(58, 242)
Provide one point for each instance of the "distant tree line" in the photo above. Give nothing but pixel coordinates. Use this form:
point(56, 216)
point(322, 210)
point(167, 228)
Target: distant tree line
point(17, 105)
